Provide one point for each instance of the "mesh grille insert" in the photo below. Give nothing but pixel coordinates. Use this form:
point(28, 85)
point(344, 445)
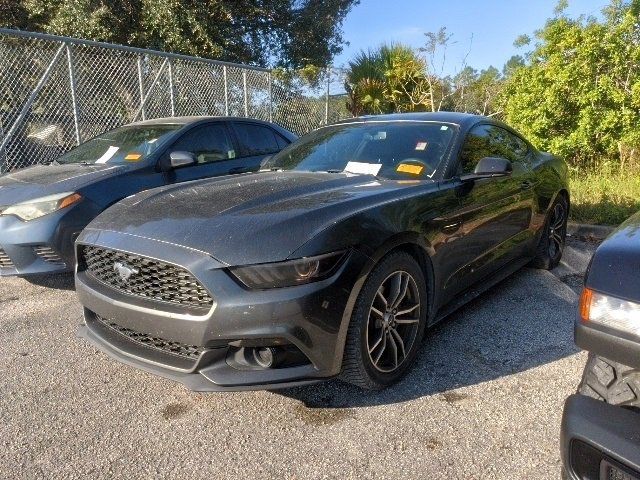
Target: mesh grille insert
point(5, 261)
point(144, 277)
point(188, 351)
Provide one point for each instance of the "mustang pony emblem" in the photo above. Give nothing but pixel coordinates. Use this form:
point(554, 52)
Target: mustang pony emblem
point(124, 271)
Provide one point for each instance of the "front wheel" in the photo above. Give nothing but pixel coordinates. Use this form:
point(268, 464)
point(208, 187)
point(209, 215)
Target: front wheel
point(611, 382)
point(553, 237)
point(387, 323)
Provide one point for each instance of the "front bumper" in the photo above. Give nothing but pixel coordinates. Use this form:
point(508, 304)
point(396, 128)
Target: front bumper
point(43, 245)
point(310, 318)
point(620, 346)
point(597, 437)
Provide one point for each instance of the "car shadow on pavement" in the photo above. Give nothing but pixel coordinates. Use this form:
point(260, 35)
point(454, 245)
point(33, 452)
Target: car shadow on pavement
point(59, 281)
point(524, 322)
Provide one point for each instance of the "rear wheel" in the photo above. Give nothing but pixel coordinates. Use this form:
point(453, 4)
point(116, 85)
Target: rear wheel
point(611, 382)
point(553, 237)
point(387, 323)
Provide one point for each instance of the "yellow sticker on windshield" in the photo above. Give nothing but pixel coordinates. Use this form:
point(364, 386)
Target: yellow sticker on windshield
point(133, 157)
point(406, 168)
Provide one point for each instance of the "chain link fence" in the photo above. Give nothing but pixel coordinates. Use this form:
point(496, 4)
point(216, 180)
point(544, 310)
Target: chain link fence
point(57, 92)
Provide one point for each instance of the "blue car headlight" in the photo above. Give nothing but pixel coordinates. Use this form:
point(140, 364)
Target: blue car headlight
point(288, 273)
point(39, 207)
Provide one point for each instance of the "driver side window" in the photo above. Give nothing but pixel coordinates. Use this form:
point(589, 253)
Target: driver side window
point(489, 141)
point(209, 143)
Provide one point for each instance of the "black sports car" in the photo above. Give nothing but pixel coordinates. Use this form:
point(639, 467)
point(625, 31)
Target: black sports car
point(331, 261)
point(44, 208)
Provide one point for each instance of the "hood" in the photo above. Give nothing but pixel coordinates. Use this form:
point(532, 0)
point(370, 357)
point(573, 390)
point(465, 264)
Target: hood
point(42, 180)
point(239, 220)
point(615, 267)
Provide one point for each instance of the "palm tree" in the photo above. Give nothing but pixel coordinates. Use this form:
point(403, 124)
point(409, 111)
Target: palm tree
point(389, 79)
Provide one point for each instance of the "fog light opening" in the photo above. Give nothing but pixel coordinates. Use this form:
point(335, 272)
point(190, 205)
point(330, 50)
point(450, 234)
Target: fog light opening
point(264, 356)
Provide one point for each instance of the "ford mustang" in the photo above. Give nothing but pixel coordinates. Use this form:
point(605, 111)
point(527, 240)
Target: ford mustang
point(331, 261)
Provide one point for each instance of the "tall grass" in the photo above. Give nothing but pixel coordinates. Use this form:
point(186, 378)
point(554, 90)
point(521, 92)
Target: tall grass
point(606, 197)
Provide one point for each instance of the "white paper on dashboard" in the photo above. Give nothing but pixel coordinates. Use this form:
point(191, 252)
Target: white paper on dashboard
point(111, 151)
point(364, 168)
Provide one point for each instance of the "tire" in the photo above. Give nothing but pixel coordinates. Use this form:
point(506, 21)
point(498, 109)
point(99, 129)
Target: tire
point(611, 382)
point(392, 330)
point(554, 232)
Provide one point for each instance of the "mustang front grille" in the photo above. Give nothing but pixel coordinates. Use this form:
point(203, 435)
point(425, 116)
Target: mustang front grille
point(188, 351)
point(144, 277)
point(5, 261)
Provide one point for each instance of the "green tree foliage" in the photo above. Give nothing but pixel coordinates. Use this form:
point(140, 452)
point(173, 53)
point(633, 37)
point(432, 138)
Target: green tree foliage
point(389, 79)
point(396, 78)
point(264, 32)
point(579, 94)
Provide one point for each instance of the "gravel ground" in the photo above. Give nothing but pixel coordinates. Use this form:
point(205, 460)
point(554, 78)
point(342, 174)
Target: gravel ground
point(484, 400)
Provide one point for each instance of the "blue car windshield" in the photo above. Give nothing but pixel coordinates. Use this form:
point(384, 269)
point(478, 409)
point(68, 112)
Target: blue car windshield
point(122, 145)
point(393, 150)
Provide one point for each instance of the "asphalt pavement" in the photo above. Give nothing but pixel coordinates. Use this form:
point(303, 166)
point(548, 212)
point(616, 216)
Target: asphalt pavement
point(483, 401)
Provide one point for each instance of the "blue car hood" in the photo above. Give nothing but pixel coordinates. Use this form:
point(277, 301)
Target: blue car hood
point(43, 180)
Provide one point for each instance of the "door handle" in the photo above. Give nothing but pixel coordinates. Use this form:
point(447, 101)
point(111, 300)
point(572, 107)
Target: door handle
point(239, 170)
point(451, 227)
point(526, 185)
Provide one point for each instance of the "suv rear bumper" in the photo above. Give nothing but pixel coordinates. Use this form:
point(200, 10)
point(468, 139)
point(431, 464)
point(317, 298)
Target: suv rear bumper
point(596, 434)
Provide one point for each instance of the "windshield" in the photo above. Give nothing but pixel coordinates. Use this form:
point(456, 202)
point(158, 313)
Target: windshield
point(122, 145)
point(393, 150)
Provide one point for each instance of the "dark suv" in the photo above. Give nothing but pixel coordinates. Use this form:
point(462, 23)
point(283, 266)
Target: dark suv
point(601, 424)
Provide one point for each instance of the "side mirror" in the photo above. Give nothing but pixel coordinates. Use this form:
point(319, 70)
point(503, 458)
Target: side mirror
point(490, 167)
point(177, 159)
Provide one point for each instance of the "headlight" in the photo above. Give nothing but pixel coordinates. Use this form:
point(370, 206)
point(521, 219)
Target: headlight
point(612, 312)
point(287, 274)
point(39, 207)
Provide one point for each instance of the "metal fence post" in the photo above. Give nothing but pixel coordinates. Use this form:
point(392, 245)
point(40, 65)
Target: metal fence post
point(74, 100)
point(148, 95)
point(31, 99)
point(326, 100)
point(173, 105)
point(270, 97)
point(246, 98)
point(4, 165)
point(226, 91)
point(141, 88)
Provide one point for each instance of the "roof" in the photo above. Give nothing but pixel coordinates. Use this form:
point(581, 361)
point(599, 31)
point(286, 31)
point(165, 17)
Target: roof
point(189, 119)
point(448, 117)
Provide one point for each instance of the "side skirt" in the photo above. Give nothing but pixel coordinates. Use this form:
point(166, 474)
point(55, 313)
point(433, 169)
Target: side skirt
point(478, 289)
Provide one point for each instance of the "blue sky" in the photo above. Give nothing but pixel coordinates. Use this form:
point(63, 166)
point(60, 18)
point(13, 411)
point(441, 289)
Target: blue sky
point(494, 24)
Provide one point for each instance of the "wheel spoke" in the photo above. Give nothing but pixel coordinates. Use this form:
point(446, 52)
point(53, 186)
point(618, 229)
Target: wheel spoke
point(408, 310)
point(407, 321)
point(392, 342)
point(377, 343)
point(404, 285)
point(395, 288)
point(384, 347)
point(395, 334)
point(381, 297)
point(377, 312)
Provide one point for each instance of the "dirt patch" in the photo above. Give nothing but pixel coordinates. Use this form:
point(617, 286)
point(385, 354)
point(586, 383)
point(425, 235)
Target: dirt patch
point(453, 397)
point(433, 444)
point(174, 410)
point(322, 416)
